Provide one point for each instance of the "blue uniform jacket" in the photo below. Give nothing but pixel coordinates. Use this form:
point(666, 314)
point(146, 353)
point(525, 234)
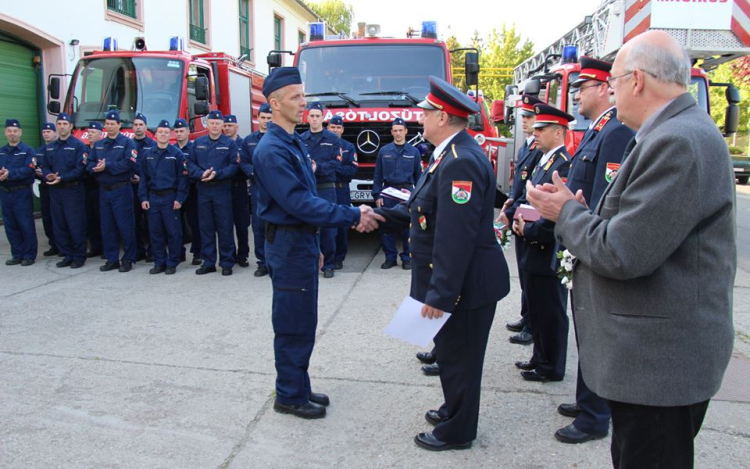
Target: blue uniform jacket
point(325, 154)
point(20, 161)
point(240, 175)
point(163, 169)
point(286, 184)
point(68, 158)
point(221, 154)
point(348, 167)
point(121, 155)
point(246, 155)
point(186, 149)
point(598, 157)
point(146, 143)
point(528, 157)
point(396, 166)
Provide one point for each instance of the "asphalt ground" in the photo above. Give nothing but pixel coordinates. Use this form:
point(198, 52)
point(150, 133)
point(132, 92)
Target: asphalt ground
point(131, 370)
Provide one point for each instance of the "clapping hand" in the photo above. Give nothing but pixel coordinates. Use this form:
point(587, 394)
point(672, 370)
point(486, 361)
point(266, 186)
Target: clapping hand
point(368, 220)
point(208, 175)
point(100, 166)
point(550, 198)
point(3, 174)
point(53, 178)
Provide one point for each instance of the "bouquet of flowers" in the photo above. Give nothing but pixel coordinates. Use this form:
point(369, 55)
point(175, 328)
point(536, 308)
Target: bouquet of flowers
point(565, 271)
point(503, 235)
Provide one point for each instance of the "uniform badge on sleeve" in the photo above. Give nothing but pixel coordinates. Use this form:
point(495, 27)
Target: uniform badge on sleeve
point(133, 155)
point(423, 222)
point(461, 191)
point(611, 171)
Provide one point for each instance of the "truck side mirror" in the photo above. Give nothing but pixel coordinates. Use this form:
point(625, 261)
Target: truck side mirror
point(732, 94)
point(498, 111)
point(201, 88)
point(533, 86)
point(54, 88)
point(731, 119)
point(201, 108)
point(471, 62)
point(273, 60)
point(53, 107)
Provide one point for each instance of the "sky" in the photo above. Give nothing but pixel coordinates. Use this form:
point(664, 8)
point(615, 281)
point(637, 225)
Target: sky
point(541, 21)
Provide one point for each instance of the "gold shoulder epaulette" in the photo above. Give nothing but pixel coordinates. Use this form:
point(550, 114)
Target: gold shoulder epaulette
point(453, 148)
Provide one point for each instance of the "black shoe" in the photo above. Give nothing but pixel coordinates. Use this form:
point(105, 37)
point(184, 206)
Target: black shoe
point(62, 263)
point(522, 338)
point(157, 270)
point(525, 366)
point(388, 264)
point(14, 261)
point(243, 263)
point(328, 273)
point(261, 271)
point(206, 269)
point(433, 417)
point(126, 266)
point(310, 410)
point(51, 252)
point(426, 357)
point(406, 265)
point(170, 271)
point(534, 376)
point(431, 370)
point(227, 271)
point(338, 265)
point(77, 264)
point(320, 398)
point(571, 434)
point(93, 253)
point(196, 260)
point(515, 326)
point(109, 266)
point(27, 262)
point(569, 410)
point(429, 442)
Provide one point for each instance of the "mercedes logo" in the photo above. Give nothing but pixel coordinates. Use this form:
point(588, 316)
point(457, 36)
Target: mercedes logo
point(368, 141)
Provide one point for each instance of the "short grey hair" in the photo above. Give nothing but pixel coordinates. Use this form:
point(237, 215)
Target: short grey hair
point(455, 121)
point(659, 62)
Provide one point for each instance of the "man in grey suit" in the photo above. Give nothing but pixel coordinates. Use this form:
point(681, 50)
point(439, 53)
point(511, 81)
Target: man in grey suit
point(656, 261)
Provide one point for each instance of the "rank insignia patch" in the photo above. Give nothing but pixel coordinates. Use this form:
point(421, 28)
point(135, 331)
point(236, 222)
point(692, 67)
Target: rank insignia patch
point(423, 222)
point(461, 191)
point(611, 171)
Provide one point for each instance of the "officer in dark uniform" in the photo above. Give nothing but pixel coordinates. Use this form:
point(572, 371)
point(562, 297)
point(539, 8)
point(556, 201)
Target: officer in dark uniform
point(91, 188)
point(545, 296)
point(598, 157)
point(190, 228)
point(325, 150)
point(344, 174)
point(49, 135)
point(142, 143)
point(246, 163)
point(288, 203)
point(17, 165)
point(526, 161)
point(213, 161)
point(458, 265)
point(398, 166)
point(162, 190)
point(240, 198)
point(64, 169)
point(112, 161)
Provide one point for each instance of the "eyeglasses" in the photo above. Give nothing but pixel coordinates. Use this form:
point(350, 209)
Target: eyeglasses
point(581, 88)
point(611, 80)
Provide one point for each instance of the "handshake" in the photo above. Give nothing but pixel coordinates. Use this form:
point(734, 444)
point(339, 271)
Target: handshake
point(368, 219)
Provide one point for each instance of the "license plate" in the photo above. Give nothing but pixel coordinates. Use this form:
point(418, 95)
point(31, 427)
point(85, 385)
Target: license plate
point(361, 195)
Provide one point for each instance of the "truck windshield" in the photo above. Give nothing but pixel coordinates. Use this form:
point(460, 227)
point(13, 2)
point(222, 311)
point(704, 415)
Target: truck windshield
point(151, 86)
point(359, 71)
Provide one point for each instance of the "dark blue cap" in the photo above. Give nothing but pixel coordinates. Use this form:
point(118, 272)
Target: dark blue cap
point(279, 78)
point(315, 106)
point(336, 120)
point(63, 116)
point(548, 115)
point(230, 119)
point(265, 107)
point(447, 98)
point(398, 121)
point(592, 69)
point(48, 126)
point(141, 117)
point(527, 104)
point(113, 116)
point(216, 115)
point(180, 124)
point(12, 123)
point(95, 126)
point(164, 123)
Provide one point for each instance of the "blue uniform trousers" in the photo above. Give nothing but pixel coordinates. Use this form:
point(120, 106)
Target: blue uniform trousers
point(69, 219)
point(293, 265)
point(165, 229)
point(328, 235)
point(241, 217)
point(343, 197)
point(259, 229)
point(215, 217)
point(93, 222)
point(142, 244)
point(118, 223)
point(49, 229)
point(190, 207)
point(389, 238)
point(524, 307)
point(18, 219)
point(546, 299)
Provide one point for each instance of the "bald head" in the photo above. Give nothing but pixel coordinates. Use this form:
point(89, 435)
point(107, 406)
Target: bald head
point(660, 55)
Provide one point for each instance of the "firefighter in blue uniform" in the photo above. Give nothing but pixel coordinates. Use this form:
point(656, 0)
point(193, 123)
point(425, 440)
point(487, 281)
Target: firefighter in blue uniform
point(288, 203)
point(162, 190)
point(112, 161)
point(597, 159)
point(458, 265)
point(212, 162)
point(545, 296)
point(528, 157)
point(246, 162)
point(49, 135)
point(64, 169)
point(17, 166)
point(344, 174)
point(240, 198)
point(190, 225)
point(325, 150)
point(398, 166)
point(142, 143)
point(91, 188)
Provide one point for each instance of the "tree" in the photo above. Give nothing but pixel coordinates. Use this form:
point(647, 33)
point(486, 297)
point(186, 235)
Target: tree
point(336, 13)
point(738, 73)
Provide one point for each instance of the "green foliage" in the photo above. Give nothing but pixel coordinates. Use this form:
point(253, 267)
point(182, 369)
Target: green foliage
point(336, 13)
point(736, 151)
point(726, 73)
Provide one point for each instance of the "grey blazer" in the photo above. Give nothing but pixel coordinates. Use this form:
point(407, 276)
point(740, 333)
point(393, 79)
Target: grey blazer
point(655, 267)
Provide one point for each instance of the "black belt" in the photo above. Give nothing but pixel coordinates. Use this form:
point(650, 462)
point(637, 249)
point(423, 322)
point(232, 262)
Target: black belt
point(115, 186)
point(13, 188)
point(326, 185)
point(165, 192)
point(400, 186)
point(271, 229)
point(63, 185)
point(341, 185)
point(216, 183)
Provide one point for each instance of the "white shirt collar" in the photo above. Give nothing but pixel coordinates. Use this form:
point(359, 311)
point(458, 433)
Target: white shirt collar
point(548, 155)
point(529, 140)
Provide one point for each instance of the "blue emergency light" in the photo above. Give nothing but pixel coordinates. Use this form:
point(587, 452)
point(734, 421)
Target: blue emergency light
point(570, 54)
point(176, 43)
point(110, 44)
point(429, 29)
point(317, 31)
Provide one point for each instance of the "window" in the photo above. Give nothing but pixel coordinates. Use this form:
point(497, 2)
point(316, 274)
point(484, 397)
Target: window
point(300, 37)
point(278, 32)
point(123, 7)
point(127, 12)
point(245, 43)
point(197, 22)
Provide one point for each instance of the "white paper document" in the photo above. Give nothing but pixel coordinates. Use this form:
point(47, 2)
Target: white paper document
point(395, 194)
point(409, 325)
